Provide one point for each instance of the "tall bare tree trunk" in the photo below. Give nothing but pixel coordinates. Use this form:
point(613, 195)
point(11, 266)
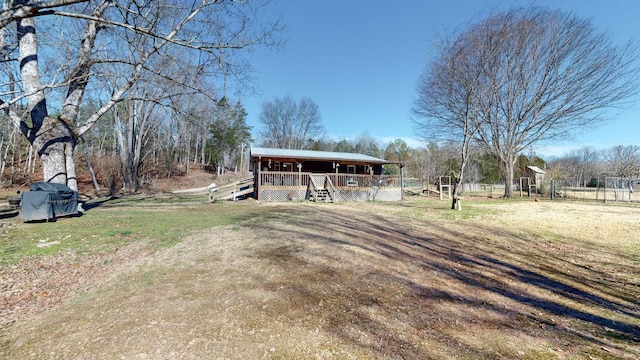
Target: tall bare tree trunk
point(55, 143)
point(202, 153)
point(507, 172)
point(15, 148)
point(27, 163)
point(94, 180)
point(52, 138)
point(125, 149)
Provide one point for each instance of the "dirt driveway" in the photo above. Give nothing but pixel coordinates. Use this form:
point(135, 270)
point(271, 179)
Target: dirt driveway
point(405, 280)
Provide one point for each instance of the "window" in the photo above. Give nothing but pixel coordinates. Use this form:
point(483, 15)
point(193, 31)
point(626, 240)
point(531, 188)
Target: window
point(287, 167)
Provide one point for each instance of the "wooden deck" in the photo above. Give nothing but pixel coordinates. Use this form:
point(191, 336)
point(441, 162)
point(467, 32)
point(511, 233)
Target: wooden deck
point(276, 186)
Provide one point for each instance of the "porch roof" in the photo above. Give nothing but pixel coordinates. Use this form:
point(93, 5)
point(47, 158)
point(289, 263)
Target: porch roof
point(260, 152)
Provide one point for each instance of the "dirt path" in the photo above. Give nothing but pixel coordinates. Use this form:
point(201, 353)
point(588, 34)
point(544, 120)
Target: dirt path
point(365, 280)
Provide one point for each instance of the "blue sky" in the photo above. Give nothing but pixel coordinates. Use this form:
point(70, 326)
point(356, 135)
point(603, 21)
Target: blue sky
point(359, 61)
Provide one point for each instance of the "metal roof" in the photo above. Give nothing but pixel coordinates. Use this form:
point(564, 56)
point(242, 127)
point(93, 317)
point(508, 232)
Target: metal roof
point(536, 169)
point(317, 155)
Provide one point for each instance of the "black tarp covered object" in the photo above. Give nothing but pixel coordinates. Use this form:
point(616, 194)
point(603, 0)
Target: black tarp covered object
point(48, 200)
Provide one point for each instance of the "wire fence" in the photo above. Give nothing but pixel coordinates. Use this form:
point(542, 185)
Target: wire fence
point(483, 190)
point(603, 189)
point(606, 189)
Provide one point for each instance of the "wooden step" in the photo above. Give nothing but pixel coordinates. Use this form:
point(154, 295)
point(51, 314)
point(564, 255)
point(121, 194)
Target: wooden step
point(323, 195)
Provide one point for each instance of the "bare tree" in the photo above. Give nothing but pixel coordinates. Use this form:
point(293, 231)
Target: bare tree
point(623, 161)
point(590, 163)
point(134, 121)
point(540, 75)
point(289, 124)
point(365, 144)
point(208, 31)
point(447, 103)
point(582, 165)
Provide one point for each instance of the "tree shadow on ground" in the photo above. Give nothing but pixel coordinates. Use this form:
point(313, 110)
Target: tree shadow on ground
point(464, 270)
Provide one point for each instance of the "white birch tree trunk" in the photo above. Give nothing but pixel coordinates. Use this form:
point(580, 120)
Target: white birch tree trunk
point(53, 139)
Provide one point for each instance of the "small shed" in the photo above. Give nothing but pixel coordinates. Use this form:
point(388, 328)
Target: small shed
point(536, 174)
point(533, 182)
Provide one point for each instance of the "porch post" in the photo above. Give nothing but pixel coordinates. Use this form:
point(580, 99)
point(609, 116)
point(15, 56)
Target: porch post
point(401, 181)
point(256, 181)
point(299, 166)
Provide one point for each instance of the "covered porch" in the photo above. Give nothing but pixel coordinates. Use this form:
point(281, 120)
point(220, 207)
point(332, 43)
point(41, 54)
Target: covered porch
point(289, 175)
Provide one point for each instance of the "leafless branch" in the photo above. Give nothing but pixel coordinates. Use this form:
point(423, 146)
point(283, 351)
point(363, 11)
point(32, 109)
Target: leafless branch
point(32, 9)
point(522, 77)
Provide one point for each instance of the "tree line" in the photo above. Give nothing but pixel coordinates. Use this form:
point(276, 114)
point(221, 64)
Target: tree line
point(428, 163)
point(585, 165)
point(218, 135)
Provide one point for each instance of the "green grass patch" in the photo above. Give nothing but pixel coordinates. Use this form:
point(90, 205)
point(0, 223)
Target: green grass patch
point(105, 229)
point(470, 209)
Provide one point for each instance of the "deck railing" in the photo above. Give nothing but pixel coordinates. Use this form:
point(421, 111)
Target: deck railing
point(286, 186)
point(357, 180)
point(277, 178)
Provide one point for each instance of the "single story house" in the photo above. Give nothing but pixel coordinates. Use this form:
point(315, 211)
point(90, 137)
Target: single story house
point(287, 174)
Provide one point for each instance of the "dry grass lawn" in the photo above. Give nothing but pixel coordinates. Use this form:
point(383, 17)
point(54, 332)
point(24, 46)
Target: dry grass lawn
point(406, 280)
